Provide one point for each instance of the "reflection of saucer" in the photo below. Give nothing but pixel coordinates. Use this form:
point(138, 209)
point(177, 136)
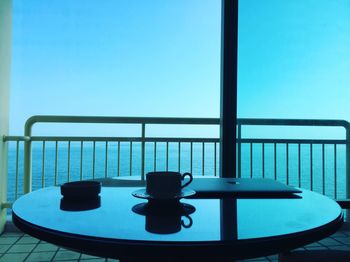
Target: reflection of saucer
point(164, 218)
point(178, 209)
point(185, 192)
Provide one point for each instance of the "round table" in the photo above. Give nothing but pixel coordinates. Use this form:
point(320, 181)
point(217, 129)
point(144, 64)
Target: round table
point(118, 225)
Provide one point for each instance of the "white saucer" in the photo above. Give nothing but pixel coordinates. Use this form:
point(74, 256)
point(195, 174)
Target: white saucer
point(185, 192)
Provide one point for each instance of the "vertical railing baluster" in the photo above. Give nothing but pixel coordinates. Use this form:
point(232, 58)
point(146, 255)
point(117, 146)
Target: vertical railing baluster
point(130, 157)
point(27, 161)
point(68, 161)
point(155, 157)
point(275, 160)
point(56, 161)
point(203, 149)
point(118, 158)
point(335, 170)
point(179, 162)
point(323, 171)
point(263, 160)
point(311, 167)
point(251, 160)
point(287, 163)
point(214, 158)
point(143, 150)
point(16, 183)
point(299, 166)
point(167, 156)
point(43, 166)
point(93, 158)
point(106, 159)
point(191, 157)
point(239, 153)
point(81, 159)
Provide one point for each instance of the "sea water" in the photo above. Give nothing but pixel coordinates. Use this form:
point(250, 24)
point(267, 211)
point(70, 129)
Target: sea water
point(71, 162)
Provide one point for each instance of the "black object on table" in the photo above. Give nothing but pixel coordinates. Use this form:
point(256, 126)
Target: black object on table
point(81, 190)
point(218, 229)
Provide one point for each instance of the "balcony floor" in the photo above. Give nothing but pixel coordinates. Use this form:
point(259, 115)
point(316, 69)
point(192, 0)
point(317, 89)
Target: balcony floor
point(16, 246)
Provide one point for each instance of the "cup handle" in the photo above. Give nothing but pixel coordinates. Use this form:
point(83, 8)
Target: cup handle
point(183, 177)
point(190, 222)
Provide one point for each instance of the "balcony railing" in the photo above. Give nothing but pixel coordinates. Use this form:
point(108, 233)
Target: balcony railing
point(319, 164)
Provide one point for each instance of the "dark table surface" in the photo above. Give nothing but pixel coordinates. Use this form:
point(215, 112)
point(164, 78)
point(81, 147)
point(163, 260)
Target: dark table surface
point(121, 226)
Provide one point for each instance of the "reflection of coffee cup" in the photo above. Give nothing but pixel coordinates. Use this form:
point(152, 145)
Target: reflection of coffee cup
point(166, 224)
point(165, 184)
point(165, 217)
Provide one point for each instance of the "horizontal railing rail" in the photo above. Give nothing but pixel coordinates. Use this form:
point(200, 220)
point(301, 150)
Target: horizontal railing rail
point(292, 122)
point(318, 164)
point(172, 139)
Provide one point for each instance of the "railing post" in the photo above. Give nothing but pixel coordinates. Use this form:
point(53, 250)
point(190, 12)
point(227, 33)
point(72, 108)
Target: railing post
point(239, 153)
point(143, 136)
point(347, 156)
point(27, 169)
point(5, 76)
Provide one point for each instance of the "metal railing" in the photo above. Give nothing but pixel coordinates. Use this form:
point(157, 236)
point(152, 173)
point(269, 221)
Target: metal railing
point(337, 151)
point(312, 163)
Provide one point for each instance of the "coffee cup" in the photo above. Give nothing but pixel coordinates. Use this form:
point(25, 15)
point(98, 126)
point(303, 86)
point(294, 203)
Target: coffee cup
point(166, 185)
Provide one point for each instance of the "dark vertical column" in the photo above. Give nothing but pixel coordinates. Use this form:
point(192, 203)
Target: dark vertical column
point(228, 219)
point(229, 44)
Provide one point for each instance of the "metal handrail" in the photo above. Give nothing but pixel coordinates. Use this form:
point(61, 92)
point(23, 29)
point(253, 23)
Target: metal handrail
point(16, 138)
point(293, 122)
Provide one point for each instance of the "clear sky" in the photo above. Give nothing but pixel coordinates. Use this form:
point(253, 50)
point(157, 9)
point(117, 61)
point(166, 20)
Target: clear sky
point(162, 58)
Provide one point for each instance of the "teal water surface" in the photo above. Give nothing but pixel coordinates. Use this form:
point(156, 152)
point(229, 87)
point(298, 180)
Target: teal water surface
point(307, 172)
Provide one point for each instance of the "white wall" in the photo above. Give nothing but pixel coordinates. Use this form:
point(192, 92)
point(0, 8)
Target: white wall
point(5, 61)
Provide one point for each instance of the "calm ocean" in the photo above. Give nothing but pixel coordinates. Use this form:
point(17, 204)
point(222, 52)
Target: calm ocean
point(202, 164)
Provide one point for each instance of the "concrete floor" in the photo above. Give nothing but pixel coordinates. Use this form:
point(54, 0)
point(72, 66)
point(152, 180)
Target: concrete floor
point(17, 246)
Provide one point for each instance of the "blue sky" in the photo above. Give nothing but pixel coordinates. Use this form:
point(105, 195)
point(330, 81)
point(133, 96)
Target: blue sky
point(294, 59)
point(162, 58)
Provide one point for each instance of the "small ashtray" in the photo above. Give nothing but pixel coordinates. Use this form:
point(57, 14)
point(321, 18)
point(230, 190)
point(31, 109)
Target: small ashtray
point(81, 189)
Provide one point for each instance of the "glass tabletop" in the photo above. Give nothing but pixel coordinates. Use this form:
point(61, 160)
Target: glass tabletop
point(120, 216)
